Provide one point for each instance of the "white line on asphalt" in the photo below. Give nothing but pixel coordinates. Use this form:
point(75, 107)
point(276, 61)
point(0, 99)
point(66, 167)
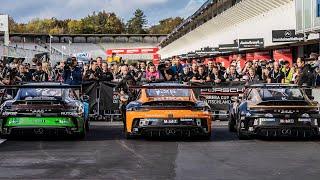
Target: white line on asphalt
point(2, 141)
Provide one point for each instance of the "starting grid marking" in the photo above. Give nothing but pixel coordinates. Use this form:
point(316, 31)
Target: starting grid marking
point(2, 141)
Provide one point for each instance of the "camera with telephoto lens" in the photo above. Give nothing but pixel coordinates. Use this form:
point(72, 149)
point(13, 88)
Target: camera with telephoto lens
point(68, 62)
point(161, 66)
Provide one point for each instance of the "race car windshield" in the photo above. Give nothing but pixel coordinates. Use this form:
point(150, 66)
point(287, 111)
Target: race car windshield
point(40, 93)
point(168, 92)
point(269, 94)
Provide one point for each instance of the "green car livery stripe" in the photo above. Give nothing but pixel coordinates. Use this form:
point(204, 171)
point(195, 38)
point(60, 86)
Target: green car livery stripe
point(40, 121)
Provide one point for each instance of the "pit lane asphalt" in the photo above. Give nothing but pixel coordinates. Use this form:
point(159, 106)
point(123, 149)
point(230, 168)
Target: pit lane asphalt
point(105, 154)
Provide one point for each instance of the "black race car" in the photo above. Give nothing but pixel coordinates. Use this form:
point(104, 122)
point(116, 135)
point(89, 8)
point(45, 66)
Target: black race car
point(274, 110)
point(44, 109)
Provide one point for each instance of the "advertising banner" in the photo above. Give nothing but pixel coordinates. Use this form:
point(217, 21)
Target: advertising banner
point(219, 97)
point(283, 54)
point(263, 55)
point(132, 51)
point(286, 36)
point(251, 43)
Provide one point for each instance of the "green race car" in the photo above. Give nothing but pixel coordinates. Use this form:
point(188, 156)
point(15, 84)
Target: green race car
point(44, 109)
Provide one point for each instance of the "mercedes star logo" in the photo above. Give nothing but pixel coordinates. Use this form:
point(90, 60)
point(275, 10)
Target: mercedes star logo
point(287, 34)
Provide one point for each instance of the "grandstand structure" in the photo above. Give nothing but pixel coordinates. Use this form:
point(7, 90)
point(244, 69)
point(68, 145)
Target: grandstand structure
point(27, 45)
point(220, 25)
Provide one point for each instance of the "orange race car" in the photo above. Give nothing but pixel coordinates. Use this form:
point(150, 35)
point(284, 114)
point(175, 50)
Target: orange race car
point(167, 109)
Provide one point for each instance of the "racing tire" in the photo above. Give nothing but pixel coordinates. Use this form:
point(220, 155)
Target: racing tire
point(231, 125)
point(129, 136)
point(241, 135)
point(206, 136)
point(87, 126)
point(81, 135)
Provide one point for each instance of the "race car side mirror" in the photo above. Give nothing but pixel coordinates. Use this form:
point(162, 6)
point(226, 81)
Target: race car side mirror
point(85, 98)
point(202, 98)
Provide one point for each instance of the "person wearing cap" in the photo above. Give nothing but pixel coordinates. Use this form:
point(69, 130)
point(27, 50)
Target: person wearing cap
point(288, 72)
point(72, 74)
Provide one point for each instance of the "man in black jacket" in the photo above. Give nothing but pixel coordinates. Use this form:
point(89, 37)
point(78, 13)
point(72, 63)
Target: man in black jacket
point(307, 76)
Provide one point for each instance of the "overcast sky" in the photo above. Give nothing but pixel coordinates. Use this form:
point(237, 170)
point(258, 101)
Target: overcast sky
point(155, 10)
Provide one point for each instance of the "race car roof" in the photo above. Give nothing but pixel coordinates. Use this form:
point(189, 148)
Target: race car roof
point(42, 85)
point(165, 84)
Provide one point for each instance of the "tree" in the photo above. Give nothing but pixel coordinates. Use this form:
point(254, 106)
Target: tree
point(75, 27)
point(114, 25)
point(166, 26)
point(137, 23)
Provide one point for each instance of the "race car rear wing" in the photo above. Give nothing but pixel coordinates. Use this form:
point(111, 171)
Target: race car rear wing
point(63, 86)
point(13, 89)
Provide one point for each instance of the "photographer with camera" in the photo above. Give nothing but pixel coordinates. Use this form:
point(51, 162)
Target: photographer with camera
point(59, 71)
point(39, 75)
point(166, 71)
point(72, 74)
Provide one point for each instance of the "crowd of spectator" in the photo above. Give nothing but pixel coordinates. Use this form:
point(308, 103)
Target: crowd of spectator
point(183, 70)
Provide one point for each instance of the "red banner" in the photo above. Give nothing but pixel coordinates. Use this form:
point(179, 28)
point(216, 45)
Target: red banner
point(224, 60)
point(263, 55)
point(249, 56)
point(283, 54)
point(156, 59)
point(132, 51)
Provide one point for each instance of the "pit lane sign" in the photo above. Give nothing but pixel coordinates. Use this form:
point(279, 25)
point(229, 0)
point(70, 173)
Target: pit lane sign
point(251, 43)
point(286, 36)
